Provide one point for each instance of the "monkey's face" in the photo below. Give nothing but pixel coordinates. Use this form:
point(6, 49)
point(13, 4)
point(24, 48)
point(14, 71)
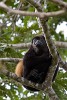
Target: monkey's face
point(39, 44)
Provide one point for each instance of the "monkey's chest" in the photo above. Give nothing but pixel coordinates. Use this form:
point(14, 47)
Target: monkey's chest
point(35, 76)
point(37, 73)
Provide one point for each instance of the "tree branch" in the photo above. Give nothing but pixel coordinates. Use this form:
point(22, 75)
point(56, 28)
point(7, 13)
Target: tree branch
point(52, 94)
point(61, 44)
point(27, 45)
point(62, 64)
point(35, 4)
point(34, 14)
point(52, 49)
point(24, 81)
point(43, 16)
point(10, 59)
point(60, 3)
point(15, 46)
point(20, 79)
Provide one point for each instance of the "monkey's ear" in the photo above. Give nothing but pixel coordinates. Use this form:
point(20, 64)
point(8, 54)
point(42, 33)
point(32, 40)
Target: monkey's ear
point(19, 69)
point(43, 35)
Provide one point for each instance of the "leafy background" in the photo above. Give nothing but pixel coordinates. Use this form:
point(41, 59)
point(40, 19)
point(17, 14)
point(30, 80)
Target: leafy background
point(21, 29)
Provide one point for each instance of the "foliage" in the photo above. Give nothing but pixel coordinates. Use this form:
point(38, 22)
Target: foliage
point(20, 29)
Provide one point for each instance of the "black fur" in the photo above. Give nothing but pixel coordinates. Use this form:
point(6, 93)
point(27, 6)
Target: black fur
point(37, 61)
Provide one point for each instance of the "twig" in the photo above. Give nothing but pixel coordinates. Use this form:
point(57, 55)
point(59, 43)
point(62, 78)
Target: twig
point(35, 4)
point(10, 59)
point(60, 2)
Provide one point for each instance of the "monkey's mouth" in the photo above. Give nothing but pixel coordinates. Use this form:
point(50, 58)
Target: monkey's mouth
point(38, 51)
point(35, 48)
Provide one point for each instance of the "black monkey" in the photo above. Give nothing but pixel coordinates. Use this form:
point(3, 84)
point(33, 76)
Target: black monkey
point(36, 62)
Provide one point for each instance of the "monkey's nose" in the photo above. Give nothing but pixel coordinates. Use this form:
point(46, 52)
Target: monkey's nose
point(38, 42)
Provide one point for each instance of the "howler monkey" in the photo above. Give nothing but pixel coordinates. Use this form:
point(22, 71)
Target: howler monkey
point(36, 62)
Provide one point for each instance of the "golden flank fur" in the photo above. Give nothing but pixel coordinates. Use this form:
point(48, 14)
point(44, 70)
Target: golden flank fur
point(19, 69)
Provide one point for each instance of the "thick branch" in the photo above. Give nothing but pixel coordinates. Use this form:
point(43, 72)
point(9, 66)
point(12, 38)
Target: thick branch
point(27, 45)
point(49, 42)
point(52, 94)
point(27, 83)
point(16, 46)
point(61, 44)
point(34, 14)
point(20, 79)
point(52, 49)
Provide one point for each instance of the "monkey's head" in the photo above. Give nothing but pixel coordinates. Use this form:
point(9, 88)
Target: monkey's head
point(39, 44)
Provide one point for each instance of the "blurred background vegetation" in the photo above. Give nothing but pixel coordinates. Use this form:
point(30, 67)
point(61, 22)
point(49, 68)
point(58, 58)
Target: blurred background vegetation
point(21, 29)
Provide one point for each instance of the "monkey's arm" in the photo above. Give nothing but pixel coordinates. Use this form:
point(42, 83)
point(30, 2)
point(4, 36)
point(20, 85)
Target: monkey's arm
point(19, 69)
